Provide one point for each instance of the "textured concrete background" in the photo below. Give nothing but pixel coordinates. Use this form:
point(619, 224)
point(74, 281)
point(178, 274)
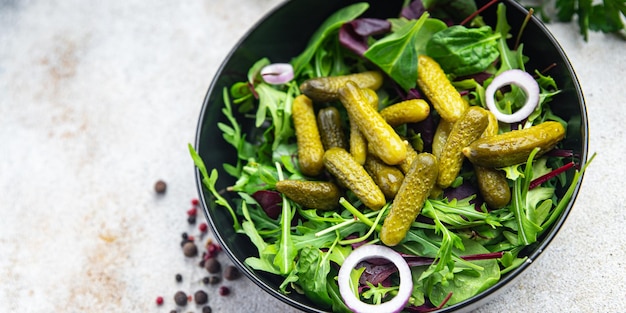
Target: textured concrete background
point(98, 100)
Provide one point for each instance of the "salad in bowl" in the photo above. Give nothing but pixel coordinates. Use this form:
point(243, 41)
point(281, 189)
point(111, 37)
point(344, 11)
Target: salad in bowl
point(403, 156)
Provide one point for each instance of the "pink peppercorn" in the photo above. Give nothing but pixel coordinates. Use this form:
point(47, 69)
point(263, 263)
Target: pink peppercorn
point(203, 227)
point(159, 300)
point(195, 202)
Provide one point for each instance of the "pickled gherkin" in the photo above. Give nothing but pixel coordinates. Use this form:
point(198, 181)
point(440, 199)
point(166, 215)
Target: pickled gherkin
point(388, 178)
point(464, 131)
point(381, 138)
point(514, 147)
point(319, 195)
point(492, 183)
point(326, 89)
point(409, 201)
point(357, 142)
point(310, 148)
point(432, 80)
point(330, 128)
point(353, 176)
point(408, 111)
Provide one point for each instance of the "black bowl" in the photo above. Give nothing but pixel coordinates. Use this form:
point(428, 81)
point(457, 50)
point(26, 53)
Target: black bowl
point(283, 34)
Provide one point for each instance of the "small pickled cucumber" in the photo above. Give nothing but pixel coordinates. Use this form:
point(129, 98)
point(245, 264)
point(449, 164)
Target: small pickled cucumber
point(409, 201)
point(464, 131)
point(493, 186)
point(432, 80)
point(387, 177)
point(358, 143)
point(319, 195)
point(408, 111)
point(411, 155)
point(325, 89)
point(492, 182)
point(441, 135)
point(381, 138)
point(310, 148)
point(330, 128)
point(514, 147)
point(353, 176)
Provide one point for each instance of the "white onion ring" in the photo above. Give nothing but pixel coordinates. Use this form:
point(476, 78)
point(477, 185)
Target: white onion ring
point(524, 81)
point(277, 73)
point(375, 251)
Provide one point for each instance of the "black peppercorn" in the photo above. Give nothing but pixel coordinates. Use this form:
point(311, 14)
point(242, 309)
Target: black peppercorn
point(179, 278)
point(160, 187)
point(191, 219)
point(231, 273)
point(190, 249)
point(207, 309)
point(200, 297)
point(212, 265)
point(214, 280)
point(224, 291)
point(180, 298)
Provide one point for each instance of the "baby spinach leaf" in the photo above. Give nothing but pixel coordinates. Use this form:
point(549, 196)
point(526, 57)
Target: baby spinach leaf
point(464, 51)
point(313, 267)
point(396, 54)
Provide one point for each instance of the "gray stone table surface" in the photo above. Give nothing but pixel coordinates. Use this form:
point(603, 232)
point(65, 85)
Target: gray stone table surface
point(98, 100)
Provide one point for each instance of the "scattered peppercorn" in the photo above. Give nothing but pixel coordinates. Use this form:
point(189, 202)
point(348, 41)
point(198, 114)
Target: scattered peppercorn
point(195, 202)
point(214, 280)
point(206, 280)
point(173, 311)
point(212, 265)
point(224, 291)
point(201, 297)
point(192, 212)
point(207, 309)
point(159, 300)
point(179, 278)
point(201, 263)
point(231, 273)
point(191, 238)
point(160, 187)
point(190, 249)
point(191, 220)
point(212, 249)
point(185, 236)
point(180, 298)
point(203, 227)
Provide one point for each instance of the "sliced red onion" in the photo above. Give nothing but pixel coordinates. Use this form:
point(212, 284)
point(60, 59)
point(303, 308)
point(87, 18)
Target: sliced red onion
point(524, 81)
point(375, 251)
point(277, 73)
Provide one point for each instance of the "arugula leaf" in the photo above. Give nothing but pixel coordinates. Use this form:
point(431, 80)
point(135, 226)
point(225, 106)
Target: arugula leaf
point(286, 251)
point(464, 51)
point(509, 59)
point(378, 292)
point(527, 228)
point(278, 103)
point(209, 182)
point(330, 25)
point(467, 282)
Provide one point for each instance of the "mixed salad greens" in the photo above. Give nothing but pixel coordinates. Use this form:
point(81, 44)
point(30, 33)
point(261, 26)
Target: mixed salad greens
point(458, 246)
